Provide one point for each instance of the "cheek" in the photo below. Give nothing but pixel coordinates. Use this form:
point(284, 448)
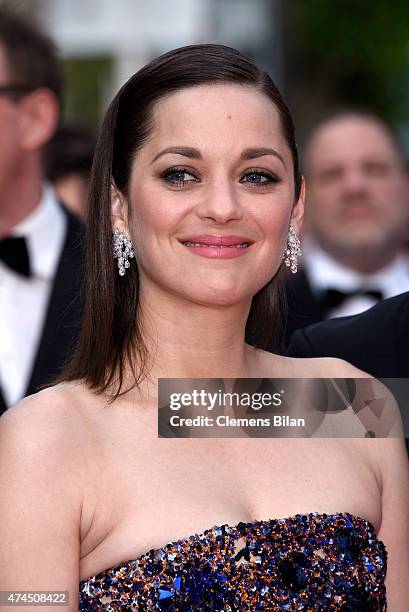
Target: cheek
point(145, 214)
point(9, 144)
point(322, 207)
point(272, 218)
point(396, 193)
point(274, 226)
point(326, 194)
point(153, 224)
point(144, 229)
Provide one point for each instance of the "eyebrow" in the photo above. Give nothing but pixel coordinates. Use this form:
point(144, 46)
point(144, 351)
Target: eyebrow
point(185, 151)
point(193, 153)
point(261, 152)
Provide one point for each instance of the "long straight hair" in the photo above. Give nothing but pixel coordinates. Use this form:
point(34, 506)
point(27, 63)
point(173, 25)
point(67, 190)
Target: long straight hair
point(111, 336)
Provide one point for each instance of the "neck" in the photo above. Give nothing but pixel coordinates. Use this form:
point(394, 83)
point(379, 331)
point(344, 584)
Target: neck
point(20, 196)
point(189, 340)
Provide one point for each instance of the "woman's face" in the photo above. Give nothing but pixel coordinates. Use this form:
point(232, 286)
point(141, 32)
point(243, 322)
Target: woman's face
point(211, 196)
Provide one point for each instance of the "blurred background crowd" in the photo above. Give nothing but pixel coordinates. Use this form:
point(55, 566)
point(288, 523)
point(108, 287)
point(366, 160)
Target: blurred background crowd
point(343, 67)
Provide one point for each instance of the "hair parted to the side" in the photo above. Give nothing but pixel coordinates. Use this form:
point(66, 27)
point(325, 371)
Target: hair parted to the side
point(111, 337)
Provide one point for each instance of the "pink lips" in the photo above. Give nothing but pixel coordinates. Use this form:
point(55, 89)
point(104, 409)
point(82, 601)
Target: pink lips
point(221, 247)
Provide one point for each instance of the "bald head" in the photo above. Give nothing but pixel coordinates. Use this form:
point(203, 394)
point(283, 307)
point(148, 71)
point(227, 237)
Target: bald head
point(357, 193)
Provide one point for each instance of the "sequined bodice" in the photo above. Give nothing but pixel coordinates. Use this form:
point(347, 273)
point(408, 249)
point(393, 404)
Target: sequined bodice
point(312, 562)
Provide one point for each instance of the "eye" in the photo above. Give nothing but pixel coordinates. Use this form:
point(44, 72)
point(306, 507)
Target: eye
point(374, 168)
point(259, 178)
point(178, 176)
point(331, 175)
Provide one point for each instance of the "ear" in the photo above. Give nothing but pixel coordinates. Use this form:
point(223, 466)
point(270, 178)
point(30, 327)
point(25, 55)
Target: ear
point(39, 117)
point(297, 214)
point(119, 211)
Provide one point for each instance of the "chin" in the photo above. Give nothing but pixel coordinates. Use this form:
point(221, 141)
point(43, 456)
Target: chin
point(217, 299)
point(363, 241)
point(223, 297)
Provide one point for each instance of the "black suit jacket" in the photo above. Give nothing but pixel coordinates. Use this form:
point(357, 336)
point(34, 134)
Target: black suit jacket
point(376, 341)
point(64, 312)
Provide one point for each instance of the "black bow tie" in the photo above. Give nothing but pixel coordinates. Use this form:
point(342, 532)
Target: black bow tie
point(14, 253)
point(332, 298)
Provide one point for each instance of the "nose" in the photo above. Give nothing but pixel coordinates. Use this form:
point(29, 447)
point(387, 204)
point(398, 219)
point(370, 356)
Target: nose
point(220, 203)
point(355, 181)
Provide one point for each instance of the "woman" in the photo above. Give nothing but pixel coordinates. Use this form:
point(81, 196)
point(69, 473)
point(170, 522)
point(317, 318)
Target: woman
point(197, 166)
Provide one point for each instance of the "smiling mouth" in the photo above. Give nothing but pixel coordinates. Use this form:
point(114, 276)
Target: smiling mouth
point(218, 247)
point(242, 245)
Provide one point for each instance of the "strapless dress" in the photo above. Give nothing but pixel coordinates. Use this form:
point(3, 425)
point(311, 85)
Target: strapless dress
point(310, 562)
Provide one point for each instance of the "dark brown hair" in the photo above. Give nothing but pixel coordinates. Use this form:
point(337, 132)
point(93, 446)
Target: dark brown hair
point(31, 56)
point(111, 335)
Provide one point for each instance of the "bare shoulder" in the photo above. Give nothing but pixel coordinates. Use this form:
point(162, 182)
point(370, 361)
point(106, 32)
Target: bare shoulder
point(47, 423)
point(58, 402)
point(308, 367)
point(372, 406)
point(389, 456)
point(44, 467)
point(327, 367)
point(52, 401)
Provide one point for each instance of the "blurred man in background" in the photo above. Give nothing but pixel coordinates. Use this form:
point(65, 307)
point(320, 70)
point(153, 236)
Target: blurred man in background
point(40, 242)
point(357, 219)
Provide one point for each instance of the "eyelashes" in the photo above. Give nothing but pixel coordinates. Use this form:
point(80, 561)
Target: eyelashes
point(259, 178)
point(178, 177)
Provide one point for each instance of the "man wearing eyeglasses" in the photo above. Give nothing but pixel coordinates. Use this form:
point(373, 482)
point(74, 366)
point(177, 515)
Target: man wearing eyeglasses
point(40, 242)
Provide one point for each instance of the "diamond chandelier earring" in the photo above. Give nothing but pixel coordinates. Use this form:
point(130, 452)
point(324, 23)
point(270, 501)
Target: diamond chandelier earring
point(293, 250)
point(123, 250)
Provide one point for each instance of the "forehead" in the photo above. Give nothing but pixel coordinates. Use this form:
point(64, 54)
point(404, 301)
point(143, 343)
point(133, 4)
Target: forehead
point(350, 139)
point(216, 116)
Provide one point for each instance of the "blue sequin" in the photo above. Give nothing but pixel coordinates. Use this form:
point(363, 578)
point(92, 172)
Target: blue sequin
point(176, 583)
point(164, 593)
point(305, 562)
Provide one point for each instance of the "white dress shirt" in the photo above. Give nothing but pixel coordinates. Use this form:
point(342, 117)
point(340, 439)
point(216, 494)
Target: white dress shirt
point(323, 272)
point(24, 301)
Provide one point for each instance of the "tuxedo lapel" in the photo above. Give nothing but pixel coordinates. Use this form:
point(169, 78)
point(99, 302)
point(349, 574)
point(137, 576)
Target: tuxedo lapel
point(64, 311)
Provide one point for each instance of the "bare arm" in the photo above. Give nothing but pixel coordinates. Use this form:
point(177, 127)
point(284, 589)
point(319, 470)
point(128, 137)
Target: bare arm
point(389, 459)
point(392, 459)
point(40, 502)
